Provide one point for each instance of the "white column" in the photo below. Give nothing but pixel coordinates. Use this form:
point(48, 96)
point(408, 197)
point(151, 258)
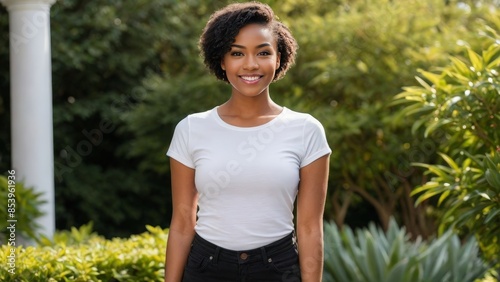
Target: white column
point(31, 100)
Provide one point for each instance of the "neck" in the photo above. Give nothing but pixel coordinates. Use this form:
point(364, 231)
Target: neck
point(249, 111)
point(247, 107)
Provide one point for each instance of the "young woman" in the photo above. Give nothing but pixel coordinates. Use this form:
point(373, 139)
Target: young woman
point(238, 168)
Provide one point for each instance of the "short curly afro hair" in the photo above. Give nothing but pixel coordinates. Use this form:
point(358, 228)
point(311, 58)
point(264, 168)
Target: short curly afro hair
point(225, 24)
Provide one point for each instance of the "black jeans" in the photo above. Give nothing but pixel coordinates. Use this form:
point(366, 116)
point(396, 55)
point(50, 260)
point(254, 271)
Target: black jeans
point(276, 262)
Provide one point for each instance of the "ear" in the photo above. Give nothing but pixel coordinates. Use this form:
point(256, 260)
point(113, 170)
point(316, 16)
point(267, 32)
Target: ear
point(222, 65)
point(278, 58)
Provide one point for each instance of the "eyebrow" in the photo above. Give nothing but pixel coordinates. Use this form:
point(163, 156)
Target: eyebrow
point(258, 46)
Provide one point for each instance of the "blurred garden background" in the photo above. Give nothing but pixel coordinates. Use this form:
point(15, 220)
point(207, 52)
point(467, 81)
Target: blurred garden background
point(408, 92)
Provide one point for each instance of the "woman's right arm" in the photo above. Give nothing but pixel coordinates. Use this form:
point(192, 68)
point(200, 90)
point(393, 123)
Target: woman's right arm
point(181, 231)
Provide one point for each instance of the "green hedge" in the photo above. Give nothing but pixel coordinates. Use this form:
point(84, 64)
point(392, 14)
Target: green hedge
point(79, 255)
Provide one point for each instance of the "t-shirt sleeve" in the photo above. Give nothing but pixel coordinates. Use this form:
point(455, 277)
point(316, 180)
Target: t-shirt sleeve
point(179, 147)
point(315, 142)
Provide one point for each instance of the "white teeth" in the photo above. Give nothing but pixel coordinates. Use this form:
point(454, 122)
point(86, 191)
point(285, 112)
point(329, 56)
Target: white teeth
point(250, 78)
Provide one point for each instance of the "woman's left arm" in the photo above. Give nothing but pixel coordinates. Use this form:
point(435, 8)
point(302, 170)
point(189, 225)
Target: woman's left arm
point(310, 208)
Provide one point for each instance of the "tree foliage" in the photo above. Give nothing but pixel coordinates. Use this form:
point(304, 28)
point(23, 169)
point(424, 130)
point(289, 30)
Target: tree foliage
point(102, 51)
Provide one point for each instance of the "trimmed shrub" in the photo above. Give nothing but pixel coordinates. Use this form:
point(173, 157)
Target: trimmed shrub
point(80, 255)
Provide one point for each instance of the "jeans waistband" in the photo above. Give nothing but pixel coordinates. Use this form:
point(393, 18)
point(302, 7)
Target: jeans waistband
point(257, 254)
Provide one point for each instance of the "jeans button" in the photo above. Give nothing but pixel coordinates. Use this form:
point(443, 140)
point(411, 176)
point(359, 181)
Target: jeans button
point(243, 256)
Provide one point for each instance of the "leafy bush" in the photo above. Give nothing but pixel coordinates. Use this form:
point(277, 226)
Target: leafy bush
point(461, 104)
point(368, 255)
point(80, 255)
point(27, 203)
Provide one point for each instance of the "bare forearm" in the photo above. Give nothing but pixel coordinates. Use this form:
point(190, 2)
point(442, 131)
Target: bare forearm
point(311, 255)
point(178, 247)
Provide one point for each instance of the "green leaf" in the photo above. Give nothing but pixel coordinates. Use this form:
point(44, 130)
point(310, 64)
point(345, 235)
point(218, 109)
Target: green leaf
point(397, 272)
point(428, 195)
point(460, 67)
point(494, 64)
point(432, 77)
point(436, 125)
point(376, 258)
point(413, 92)
point(491, 215)
point(427, 186)
point(476, 60)
point(417, 124)
point(450, 162)
point(491, 55)
point(414, 109)
point(443, 196)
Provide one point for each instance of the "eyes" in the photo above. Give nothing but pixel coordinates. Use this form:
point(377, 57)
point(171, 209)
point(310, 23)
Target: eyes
point(239, 54)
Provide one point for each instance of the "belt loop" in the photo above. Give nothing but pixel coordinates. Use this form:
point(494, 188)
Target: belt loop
point(216, 255)
point(264, 254)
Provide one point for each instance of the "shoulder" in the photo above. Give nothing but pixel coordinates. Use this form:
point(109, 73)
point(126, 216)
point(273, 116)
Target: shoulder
point(305, 119)
point(196, 118)
point(201, 116)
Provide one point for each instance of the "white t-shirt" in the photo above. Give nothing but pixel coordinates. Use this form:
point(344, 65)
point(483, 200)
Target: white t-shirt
point(247, 177)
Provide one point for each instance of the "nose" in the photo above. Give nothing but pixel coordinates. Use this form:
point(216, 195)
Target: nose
point(250, 63)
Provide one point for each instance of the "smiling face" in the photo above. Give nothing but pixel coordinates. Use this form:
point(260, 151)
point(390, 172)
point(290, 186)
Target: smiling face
point(251, 63)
